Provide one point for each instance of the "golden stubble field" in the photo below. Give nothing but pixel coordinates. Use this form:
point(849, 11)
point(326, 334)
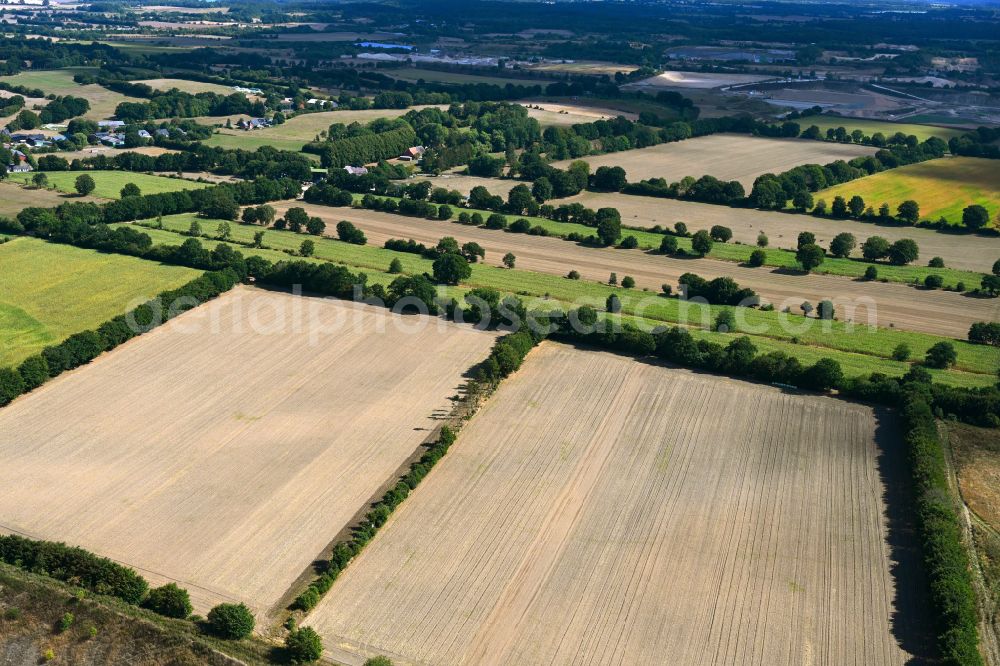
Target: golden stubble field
point(226, 461)
point(599, 511)
point(725, 156)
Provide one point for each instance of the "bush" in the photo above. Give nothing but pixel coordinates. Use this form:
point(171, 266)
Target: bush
point(628, 282)
point(66, 563)
point(901, 352)
point(941, 355)
point(395, 266)
point(231, 621)
point(303, 646)
point(936, 262)
point(11, 385)
point(985, 333)
point(933, 282)
point(169, 601)
point(668, 245)
point(871, 273)
point(378, 661)
point(573, 275)
point(629, 243)
point(721, 233)
point(757, 258)
point(725, 322)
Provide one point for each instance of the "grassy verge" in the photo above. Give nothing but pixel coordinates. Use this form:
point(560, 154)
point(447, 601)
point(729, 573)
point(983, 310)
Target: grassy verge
point(860, 351)
point(110, 183)
point(33, 605)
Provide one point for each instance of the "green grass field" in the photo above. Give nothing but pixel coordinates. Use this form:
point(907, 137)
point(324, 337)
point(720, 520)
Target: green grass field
point(942, 187)
point(777, 258)
point(294, 132)
point(861, 350)
point(887, 128)
point(50, 291)
point(60, 82)
point(110, 183)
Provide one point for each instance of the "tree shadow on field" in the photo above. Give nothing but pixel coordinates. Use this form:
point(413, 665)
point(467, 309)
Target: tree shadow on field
point(912, 620)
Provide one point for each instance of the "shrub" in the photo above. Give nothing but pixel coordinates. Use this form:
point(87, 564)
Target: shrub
point(573, 275)
point(901, 352)
point(11, 385)
point(985, 333)
point(613, 304)
point(701, 242)
point(936, 262)
point(933, 282)
point(308, 599)
point(378, 661)
point(303, 646)
point(395, 266)
point(762, 240)
point(871, 273)
point(65, 622)
point(668, 245)
point(67, 563)
point(720, 233)
point(628, 282)
point(231, 621)
point(757, 258)
point(941, 355)
point(169, 601)
point(629, 243)
point(725, 321)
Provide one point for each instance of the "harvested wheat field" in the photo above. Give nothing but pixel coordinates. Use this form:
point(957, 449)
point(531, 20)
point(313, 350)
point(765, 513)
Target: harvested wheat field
point(965, 251)
point(725, 156)
point(596, 511)
point(225, 449)
point(898, 305)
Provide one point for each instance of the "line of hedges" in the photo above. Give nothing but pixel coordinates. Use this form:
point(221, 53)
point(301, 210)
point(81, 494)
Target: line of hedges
point(74, 565)
point(945, 555)
point(83, 347)
point(506, 356)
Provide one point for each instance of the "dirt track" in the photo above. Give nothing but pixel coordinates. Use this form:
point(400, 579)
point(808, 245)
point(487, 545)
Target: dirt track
point(965, 251)
point(937, 312)
point(597, 512)
point(227, 458)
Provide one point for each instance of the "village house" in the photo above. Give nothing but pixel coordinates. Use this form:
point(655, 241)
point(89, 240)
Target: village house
point(412, 153)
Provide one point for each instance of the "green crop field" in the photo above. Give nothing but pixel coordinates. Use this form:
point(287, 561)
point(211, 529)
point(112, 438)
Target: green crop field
point(942, 187)
point(49, 291)
point(110, 183)
point(861, 349)
point(887, 128)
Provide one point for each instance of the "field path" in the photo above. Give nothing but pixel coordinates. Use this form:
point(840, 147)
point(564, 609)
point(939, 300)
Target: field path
point(938, 312)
